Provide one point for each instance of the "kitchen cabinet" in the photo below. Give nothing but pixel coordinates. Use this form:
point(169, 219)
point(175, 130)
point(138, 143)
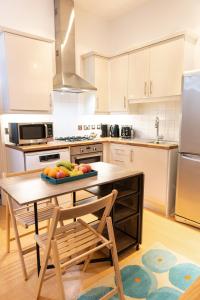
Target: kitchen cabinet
point(118, 77)
point(159, 167)
point(95, 71)
point(155, 71)
point(166, 68)
point(121, 155)
point(138, 75)
point(26, 73)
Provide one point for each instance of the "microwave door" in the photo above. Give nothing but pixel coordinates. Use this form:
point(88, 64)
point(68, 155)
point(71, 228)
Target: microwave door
point(32, 133)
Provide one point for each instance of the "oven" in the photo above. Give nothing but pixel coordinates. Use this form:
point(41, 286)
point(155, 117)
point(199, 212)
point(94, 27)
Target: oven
point(86, 154)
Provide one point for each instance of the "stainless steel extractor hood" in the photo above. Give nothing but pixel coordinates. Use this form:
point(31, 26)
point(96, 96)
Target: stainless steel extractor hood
point(66, 79)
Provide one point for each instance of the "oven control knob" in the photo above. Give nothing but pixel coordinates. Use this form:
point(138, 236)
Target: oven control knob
point(82, 150)
point(94, 149)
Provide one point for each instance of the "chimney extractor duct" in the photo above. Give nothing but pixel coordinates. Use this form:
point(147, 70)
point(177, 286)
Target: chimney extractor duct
point(66, 79)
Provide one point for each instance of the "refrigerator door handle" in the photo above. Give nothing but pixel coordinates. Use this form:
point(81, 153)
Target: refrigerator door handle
point(192, 157)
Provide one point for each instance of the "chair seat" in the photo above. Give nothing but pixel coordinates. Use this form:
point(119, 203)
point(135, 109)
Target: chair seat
point(26, 217)
point(73, 240)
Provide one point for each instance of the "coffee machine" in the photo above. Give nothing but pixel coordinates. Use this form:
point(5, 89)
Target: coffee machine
point(126, 132)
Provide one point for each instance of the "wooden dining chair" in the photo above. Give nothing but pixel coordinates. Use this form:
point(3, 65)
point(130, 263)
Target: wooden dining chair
point(76, 242)
point(24, 215)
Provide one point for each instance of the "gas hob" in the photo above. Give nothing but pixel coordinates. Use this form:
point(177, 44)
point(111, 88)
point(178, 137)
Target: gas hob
point(74, 138)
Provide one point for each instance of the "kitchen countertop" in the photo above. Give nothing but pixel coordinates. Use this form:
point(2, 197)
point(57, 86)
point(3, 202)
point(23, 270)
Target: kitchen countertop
point(61, 144)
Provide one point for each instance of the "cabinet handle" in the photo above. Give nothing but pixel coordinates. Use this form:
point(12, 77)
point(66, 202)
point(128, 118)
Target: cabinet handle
point(145, 88)
point(50, 101)
point(97, 102)
point(124, 102)
point(151, 84)
point(131, 156)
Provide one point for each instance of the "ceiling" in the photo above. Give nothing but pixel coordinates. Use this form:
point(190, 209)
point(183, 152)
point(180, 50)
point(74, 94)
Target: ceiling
point(108, 9)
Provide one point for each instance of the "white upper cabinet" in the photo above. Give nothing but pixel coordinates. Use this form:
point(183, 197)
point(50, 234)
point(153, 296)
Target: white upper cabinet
point(95, 70)
point(26, 73)
point(118, 78)
point(155, 71)
point(138, 74)
point(166, 68)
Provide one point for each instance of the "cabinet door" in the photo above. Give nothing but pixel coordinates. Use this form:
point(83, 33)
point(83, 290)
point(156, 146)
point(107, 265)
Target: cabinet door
point(118, 83)
point(29, 72)
point(154, 164)
point(166, 68)
point(101, 83)
point(138, 74)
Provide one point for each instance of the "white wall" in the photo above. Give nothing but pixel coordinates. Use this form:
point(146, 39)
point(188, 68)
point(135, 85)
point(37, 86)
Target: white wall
point(31, 16)
point(152, 20)
point(92, 34)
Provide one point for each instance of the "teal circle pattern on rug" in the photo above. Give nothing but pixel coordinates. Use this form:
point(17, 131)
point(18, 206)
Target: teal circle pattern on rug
point(97, 293)
point(183, 275)
point(137, 281)
point(159, 260)
point(165, 293)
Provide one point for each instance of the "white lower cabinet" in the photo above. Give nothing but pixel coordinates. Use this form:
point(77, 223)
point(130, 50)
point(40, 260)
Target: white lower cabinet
point(159, 167)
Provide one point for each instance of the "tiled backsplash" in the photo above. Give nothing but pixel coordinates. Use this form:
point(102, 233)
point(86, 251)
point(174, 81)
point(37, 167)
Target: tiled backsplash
point(143, 120)
point(69, 112)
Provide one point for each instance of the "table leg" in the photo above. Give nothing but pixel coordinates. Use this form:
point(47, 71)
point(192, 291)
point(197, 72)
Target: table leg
point(74, 202)
point(36, 232)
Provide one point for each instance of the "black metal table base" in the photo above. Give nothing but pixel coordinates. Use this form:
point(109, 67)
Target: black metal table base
point(36, 232)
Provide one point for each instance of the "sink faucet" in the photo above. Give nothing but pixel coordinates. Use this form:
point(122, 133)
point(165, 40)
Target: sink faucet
point(157, 124)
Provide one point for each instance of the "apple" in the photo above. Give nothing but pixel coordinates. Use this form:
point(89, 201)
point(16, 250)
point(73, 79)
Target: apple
point(89, 168)
point(83, 169)
point(60, 174)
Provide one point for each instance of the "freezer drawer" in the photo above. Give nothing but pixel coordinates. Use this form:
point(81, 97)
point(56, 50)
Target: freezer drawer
point(188, 188)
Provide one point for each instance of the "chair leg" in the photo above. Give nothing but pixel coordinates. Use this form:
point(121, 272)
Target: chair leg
point(115, 259)
point(58, 271)
point(19, 248)
point(17, 238)
point(41, 276)
point(7, 229)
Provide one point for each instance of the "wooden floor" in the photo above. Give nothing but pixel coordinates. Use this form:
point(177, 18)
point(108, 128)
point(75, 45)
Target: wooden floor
point(178, 237)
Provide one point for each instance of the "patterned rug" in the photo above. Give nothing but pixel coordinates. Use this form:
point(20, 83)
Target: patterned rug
point(158, 274)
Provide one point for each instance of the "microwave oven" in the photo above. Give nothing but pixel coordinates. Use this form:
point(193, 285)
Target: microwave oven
point(30, 133)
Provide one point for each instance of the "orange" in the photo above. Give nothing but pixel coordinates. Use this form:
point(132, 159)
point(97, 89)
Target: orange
point(46, 170)
point(52, 173)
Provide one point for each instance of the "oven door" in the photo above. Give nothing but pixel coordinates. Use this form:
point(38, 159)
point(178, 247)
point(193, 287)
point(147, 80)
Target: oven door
point(32, 133)
point(87, 158)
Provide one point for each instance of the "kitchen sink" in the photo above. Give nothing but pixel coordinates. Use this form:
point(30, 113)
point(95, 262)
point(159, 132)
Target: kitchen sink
point(151, 141)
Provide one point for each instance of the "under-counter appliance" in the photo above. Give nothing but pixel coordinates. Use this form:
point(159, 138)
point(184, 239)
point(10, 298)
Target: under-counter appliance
point(86, 153)
point(188, 181)
point(105, 130)
point(126, 132)
point(30, 133)
point(43, 159)
point(114, 130)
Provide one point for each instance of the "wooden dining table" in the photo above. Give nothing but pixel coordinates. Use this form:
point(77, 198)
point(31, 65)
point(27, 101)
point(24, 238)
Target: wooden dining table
point(31, 188)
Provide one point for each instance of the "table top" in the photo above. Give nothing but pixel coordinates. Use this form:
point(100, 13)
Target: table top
point(29, 188)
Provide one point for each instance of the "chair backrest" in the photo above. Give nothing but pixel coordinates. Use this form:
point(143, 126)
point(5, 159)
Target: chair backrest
point(105, 203)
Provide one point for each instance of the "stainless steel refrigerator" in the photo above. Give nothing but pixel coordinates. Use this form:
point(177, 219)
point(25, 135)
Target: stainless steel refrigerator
point(188, 180)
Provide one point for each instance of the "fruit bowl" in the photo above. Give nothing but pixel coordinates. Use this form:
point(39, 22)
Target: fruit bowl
point(66, 171)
